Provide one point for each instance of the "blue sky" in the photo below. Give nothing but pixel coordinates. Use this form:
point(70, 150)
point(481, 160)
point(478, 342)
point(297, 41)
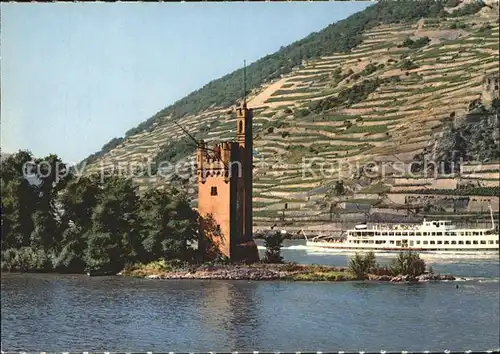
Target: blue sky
point(76, 75)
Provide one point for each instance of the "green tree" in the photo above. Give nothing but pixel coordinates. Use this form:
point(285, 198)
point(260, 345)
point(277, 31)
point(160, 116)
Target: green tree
point(339, 188)
point(115, 220)
point(79, 200)
point(273, 243)
point(408, 263)
point(169, 224)
point(18, 203)
point(362, 264)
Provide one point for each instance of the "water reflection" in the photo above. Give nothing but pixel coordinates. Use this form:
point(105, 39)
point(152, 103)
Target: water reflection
point(232, 307)
point(78, 313)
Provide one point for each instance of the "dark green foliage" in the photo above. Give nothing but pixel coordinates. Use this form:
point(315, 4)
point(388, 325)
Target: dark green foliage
point(273, 244)
point(408, 263)
point(339, 188)
point(369, 69)
point(458, 25)
point(495, 104)
point(110, 145)
point(338, 37)
point(26, 259)
point(338, 76)
point(169, 224)
point(301, 112)
point(466, 190)
point(484, 29)
point(452, 3)
point(419, 43)
point(361, 264)
point(99, 225)
point(348, 96)
point(468, 9)
point(407, 64)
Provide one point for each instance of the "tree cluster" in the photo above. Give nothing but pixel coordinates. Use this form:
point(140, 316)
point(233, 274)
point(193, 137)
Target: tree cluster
point(415, 44)
point(56, 221)
point(348, 96)
point(406, 263)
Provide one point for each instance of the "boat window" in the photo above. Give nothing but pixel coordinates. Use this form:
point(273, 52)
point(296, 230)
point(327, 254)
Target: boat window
point(497, 242)
point(418, 242)
point(440, 242)
point(453, 242)
point(475, 233)
point(425, 242)
point(425, 233)
point(433, 243)
point(475, 242)
point(460, 242)
point(446, 242)
point(483, 242)
point(398, 243)
point(468, 233)
point(392, 242)
point(467, 242)
point(433, 234)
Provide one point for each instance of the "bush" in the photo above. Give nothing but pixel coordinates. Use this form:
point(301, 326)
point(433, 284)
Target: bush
point(302, 112)
point(26, 259)
point(362, 264)
point(273, 244)
point(408, 263)
point(407, 64)
point(468, 9)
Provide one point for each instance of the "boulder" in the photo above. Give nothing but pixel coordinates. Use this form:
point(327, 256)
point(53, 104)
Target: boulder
point(154, 276)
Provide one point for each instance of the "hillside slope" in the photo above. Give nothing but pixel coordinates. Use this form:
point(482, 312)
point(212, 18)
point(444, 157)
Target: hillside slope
point(367, 89)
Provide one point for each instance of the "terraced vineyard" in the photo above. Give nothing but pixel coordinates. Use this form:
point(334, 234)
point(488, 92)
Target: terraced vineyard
point(384, 101)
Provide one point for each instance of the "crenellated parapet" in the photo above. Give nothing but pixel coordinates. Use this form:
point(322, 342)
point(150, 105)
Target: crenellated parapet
point(215, 161)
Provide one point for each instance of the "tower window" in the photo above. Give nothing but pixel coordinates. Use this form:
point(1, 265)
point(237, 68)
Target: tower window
point(240, 127)
point(213, 191)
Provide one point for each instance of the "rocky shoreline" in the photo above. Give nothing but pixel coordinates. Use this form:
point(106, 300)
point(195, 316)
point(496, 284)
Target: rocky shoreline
point(289, 272)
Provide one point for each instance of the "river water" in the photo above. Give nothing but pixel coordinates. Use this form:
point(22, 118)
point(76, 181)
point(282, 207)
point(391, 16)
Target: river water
point(79, 313)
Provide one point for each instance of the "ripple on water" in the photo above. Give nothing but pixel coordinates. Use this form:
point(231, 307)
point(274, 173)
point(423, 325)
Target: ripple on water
point(78, 313)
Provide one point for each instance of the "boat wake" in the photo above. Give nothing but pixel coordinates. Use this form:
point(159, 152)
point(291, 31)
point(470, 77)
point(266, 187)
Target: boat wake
point(452, 255)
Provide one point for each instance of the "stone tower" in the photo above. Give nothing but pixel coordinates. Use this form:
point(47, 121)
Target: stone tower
point(225, 178)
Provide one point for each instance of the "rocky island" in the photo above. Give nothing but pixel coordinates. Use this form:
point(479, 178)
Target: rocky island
point(262, 271)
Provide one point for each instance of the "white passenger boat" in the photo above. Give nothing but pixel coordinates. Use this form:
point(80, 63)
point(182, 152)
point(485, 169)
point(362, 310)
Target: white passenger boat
point(428, 236)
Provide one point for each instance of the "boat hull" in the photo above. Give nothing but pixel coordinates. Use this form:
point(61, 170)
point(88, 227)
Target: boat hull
point(344, 246)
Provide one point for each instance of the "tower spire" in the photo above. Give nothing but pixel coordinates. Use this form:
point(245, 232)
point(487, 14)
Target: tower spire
point(244, 84)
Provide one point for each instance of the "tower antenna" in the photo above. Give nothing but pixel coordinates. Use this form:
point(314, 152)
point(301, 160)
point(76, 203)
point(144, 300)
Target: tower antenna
point(244, 83)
